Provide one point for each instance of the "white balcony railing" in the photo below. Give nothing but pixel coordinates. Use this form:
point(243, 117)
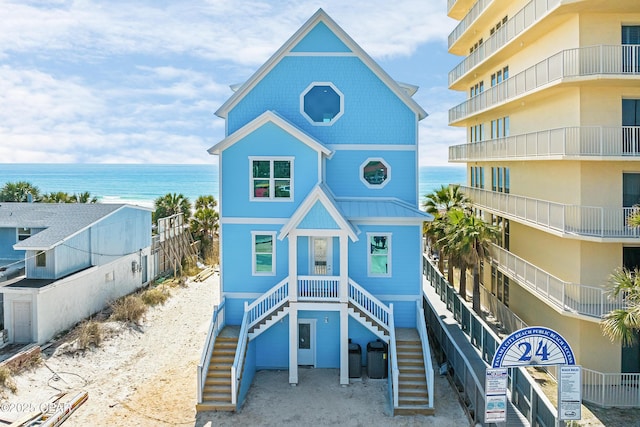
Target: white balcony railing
point(586, 142)
point(568, 297)
point(318, 288)
point(587, 221)
point(525, 18)
point(579, 62)
point(466, 22)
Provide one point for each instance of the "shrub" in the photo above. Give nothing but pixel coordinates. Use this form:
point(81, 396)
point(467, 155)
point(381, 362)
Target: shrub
point(6, 380)
point(128, 309)
point(89, 333)
point(155, 296)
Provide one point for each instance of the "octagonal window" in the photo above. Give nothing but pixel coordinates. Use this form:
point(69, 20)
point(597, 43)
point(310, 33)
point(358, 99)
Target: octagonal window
point(375, 173)
point(321, 104)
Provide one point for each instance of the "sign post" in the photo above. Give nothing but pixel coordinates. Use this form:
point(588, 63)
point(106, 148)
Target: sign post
point(534, 346)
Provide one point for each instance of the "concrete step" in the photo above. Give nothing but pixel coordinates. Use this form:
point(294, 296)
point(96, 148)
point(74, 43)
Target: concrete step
point(414, 410)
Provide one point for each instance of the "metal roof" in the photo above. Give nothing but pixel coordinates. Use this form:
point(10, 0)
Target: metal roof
point(59, 220)
point(366, 209)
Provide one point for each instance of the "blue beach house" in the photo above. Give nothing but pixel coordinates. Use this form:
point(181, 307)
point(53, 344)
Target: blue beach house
point(320, 226)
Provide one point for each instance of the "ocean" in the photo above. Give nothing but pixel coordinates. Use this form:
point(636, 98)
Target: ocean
point(141, 184)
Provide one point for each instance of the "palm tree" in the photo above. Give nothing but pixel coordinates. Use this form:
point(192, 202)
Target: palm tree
point(438, 203)
point(57, 197)
point(622, 324)
point(472, 238)
point(84, 197)
point(19, 191)
point(204, 225)
point(171, 204)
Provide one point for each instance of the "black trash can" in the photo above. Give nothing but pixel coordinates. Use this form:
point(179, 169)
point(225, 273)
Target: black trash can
point(377, 366)
point(355, 360)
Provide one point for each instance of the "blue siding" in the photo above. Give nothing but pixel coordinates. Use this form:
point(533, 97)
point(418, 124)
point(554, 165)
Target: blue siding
point(237, 259)
point(405, 258)
point(272, 347)
point(404, 313)
point(234, 310)
point(73, 255)
point(318, 218)
point(343, 174)
point(303, 256)
point(248, 374)
point(320, 39)
point(361, 336)
point(268, 140)
point(373, 114)
point(8, 238)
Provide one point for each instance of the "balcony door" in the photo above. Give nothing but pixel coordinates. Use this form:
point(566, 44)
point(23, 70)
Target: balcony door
point(631, 355)
point(631, 126)
point(321, 256)
point(631, 48)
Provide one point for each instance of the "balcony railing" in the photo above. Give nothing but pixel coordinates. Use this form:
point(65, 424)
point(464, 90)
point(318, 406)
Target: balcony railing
point(568, 297)
point(318, 288)
point(587, 221)
point(522, 20)
point(466, 22)
point(589, 142)
point(584, 61)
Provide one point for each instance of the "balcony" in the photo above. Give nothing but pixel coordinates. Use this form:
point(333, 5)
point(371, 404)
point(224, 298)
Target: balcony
point(457, 8)
point(564, 296)
point(522, 20)
point(469, 19)
point(580, 222)
point(592, 61)
point(582, 143)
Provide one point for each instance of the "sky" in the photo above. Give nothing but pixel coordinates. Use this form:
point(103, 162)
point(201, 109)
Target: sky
point(122, 81)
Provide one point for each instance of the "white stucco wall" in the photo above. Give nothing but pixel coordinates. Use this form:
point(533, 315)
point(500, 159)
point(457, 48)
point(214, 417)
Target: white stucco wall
point(62, 304)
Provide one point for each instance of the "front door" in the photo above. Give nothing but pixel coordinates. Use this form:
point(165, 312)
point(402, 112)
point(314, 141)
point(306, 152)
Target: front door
point(307, 342)
point(321, 256)
point(21, 322)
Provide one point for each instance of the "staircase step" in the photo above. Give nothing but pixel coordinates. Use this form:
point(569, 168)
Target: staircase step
point(215, 406)
point(414, 410)
point(216, 397)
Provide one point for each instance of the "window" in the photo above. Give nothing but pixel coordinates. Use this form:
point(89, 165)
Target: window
point(630, 48)
point(264, 255)
point(379, 261)
point(500, 179)
point(500, 127)
point(476, 46)
point(476, 89)
point(476, 133)
point(502, 224)
point(322, 104)
point(375, 173)
point(499, 76)
point(631, 126)
point(271, 178)
point(500, 286)
point(23, 234)
point(41, 259)
point(477, 176)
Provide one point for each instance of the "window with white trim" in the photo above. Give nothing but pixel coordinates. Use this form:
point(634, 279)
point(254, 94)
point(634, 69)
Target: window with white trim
point(41, 259)
point(271, 178)
point(379, 257)
point(321, 103)
point(375, 173)
point(23, 234)
point(263, 253)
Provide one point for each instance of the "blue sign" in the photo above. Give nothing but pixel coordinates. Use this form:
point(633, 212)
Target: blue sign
point(533, 346)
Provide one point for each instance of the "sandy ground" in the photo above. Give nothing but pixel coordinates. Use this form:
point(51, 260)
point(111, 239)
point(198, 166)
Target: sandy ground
point(144, 376)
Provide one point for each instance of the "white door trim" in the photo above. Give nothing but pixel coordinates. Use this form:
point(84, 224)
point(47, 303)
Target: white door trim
point(307, 357)
point(329, 256)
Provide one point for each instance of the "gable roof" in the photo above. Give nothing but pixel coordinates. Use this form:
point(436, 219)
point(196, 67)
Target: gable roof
point(321, 17)
point(368, 209)
point(60, 221)
point(276, 119)
point(319, 194)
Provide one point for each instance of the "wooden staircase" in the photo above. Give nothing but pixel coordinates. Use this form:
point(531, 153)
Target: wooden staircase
point(413, 396)
point(367, 321)
point(265, 323)
point(216, 395)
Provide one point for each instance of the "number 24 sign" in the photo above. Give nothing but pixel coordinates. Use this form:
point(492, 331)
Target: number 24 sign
point(533, 346)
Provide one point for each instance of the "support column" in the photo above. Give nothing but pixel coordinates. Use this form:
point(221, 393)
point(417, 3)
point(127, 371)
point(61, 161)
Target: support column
point(293, 344)
point(293, 267)
point(344, 267)
point(344, 345)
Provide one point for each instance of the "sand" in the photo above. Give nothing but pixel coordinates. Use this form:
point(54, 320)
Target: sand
point(146, 376)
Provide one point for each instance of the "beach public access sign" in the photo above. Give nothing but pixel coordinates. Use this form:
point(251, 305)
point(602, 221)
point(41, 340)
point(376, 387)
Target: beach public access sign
point(533, 346)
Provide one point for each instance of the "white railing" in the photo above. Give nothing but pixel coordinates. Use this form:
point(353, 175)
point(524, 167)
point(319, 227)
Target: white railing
point(466, 22)
point(369, 304)
point(217, 323)
point(584, 141)
point(316, 288)
point(238, 360)
point(450, 4)
point(507, 318)
point(579, 62)
point(577, 220)
point(611, 390)
point(393, 356)
point(525, 18)
point(571, 297)
point(267, 302)
point(426, 351)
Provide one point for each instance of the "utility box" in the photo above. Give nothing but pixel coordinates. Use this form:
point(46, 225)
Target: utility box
point(377, 359)
point(355, 360)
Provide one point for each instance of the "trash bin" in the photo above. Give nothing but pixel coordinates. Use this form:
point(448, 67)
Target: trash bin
point(377, 366)
point(355, 360)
